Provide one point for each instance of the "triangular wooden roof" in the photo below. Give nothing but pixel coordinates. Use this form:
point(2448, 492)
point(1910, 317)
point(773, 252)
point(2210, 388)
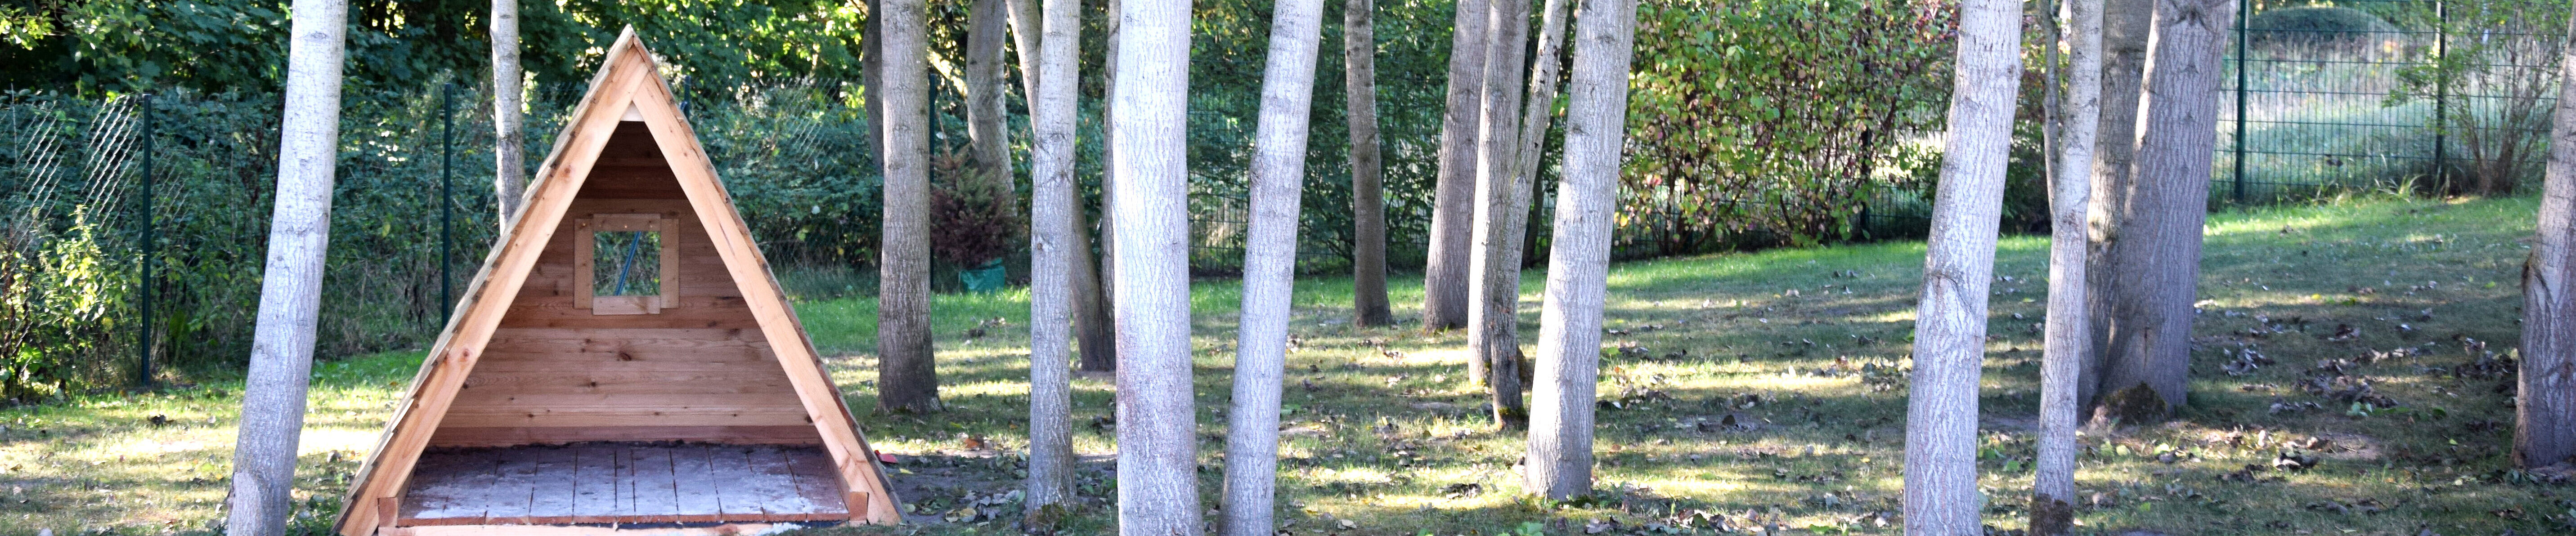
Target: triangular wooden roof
point(628, 85)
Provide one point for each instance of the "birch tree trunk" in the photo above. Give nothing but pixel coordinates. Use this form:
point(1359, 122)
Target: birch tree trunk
point(1540, 108)
point(2159, 246)
point(1445, 276)
point(1369, 306)
point(1493, 322)
point(509, 139)
point(1958, 266)
point(1050, 66)
point(1269, 268)
point(2069, 338)
point(2544, 429)
point(1157, 424)
point(907, 374)
point(1090, 315)
point(2125, 24)
point(1569, 333)
point(290, 297)
point(1109, 174)
point(988, 131)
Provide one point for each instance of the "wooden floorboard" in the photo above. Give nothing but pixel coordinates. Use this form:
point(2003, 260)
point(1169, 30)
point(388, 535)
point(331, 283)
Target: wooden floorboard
point(513, 487)
point(551, 499)
point(697, 485)
point(820, 483)
point(622, 482)
point(594, 495)
point(772, 483)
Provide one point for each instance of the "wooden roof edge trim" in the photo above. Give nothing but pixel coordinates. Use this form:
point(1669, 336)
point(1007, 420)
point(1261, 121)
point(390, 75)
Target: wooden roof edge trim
point(468, 329)
point(625, 45)
point(760, 290)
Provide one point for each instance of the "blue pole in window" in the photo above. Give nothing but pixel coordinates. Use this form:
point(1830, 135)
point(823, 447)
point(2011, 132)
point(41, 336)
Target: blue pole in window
point(628, 264)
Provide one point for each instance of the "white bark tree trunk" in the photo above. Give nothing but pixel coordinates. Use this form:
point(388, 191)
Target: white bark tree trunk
point(2069, 338)
point(2158, 248)
point(988, 130)
point(1090, 316)
point(509, 138)
point(1050, 65)
point(1108, 176)
point(2544, 429)
point(1091, 286)
point(1157, 418)
point(1958, 266)
point(1269, 268)
point(907, 375)
point(1502, 201)
point(1540, 108)
point(1369, 304)
point(290, 297)
point(2125, 24)
point(1569, 336)
point(1445, 276)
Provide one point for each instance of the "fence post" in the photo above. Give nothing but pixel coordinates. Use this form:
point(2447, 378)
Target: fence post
point(143, 344)
point(2441, 90)
point(447, 198)
point(2242, 6)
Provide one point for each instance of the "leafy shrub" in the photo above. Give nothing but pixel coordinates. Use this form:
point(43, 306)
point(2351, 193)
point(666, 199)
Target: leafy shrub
point(1773, 121)
point(970, 222)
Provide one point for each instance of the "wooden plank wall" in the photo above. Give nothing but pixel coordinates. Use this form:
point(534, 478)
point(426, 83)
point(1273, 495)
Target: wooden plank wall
point(698, 370)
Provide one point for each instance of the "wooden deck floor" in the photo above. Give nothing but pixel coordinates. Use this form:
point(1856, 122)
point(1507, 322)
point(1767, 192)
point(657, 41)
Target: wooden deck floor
point(623, 483)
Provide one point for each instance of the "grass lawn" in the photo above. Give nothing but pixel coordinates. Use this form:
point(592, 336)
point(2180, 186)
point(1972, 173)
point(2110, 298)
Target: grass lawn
point(1749, 390)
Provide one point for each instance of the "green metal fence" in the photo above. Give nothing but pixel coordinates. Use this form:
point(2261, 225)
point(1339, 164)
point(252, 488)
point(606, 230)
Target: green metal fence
point(2436, 97)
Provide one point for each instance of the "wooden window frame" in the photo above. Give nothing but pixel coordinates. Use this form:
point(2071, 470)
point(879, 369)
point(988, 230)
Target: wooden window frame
point(585, 246)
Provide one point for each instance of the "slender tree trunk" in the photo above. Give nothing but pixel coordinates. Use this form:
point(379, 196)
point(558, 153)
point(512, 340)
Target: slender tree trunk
point(1108, 180)
point(2051, 73)
point(2053, 488)
point(1157, 425)
point(988, 116)
point(290, 297)
point(1090, 315)
point(1269, 268)
point(1540, 108)
point(1091, 302)
point(1569, 333)
point(1958, 266)
point(2125, 24)
point(2544, 429)
point(2159, 246)
point(509, 143)
point(1369, 306)
point(1050, 66)
point(1028, 35)
point(907, 374)
point(1493, 324)
point(1445, 277)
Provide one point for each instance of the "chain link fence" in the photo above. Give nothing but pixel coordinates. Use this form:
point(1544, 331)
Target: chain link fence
point(135, 226)
point(2440, 97)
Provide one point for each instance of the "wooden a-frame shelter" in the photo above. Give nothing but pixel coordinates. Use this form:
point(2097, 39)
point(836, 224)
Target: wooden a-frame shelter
point(683, 397)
